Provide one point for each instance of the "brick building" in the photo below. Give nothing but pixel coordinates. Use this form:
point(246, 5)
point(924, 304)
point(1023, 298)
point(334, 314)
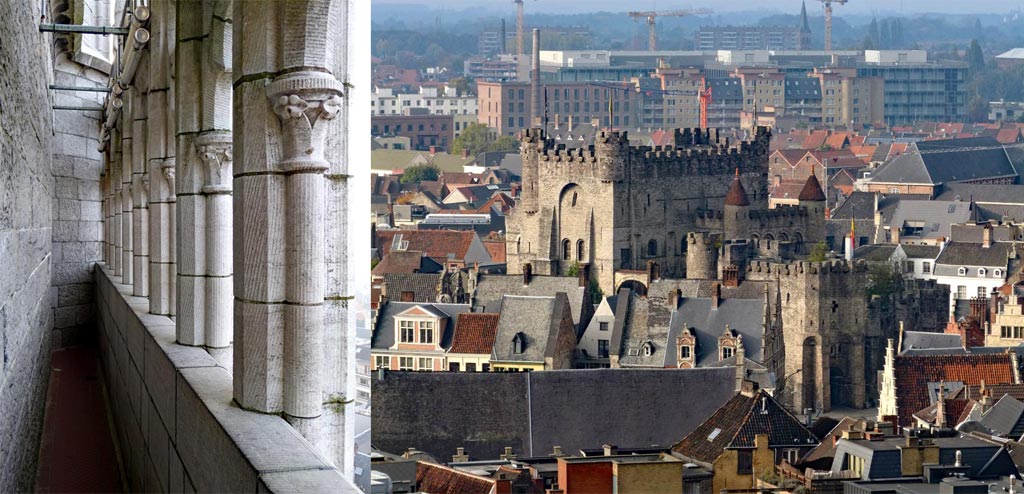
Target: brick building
point(425, 131)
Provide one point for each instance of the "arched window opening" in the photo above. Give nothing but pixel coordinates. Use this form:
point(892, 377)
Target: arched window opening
point(566, 252)
point(579, 250)
point(652, 248)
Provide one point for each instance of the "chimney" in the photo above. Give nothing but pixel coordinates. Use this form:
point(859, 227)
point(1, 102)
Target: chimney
point(570, 123)
point(557, 451)
point(535, 99)
point(610, 449)
point(731, 275)
point(716, 295)
point(508, 454)
point(527, 273)
point(673, 300)
point(465, 153)
point(433, 150)
point(584, 274)
point(741, 369)
point(557, 118)
point(460, 455)
point(940, 406)
point(986, 236)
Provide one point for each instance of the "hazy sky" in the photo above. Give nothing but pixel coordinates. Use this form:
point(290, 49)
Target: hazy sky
point(854, 6)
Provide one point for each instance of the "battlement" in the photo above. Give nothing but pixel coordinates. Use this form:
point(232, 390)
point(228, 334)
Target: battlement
point(695, 152)
point(703, 238)
point(800, 268)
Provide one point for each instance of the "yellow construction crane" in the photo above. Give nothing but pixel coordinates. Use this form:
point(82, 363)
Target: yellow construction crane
point(652, 41)
point(828, 21)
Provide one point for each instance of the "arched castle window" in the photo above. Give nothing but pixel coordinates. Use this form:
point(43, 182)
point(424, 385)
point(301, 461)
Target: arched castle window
point(579, 250)
point(652, 248)
point(565, 250)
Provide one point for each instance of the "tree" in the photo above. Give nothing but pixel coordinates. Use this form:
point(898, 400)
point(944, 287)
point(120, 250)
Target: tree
point(884, 279)
point(873, 34)
point(419, 173)
point(476, 137)
point(504, 143)
point(975, 58)
point(819, 252)
point(977, 109)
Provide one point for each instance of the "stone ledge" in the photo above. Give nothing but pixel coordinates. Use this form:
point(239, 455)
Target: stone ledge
point(186, 405)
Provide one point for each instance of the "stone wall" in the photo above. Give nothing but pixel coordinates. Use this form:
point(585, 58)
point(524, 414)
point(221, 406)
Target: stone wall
point(26, 198)
point(77, 216)
point(177, 427)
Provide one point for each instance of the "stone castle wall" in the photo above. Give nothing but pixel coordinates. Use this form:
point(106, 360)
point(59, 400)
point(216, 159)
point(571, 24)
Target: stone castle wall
point(26, 209)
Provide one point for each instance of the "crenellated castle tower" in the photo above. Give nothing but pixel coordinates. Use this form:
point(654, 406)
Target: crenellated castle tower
point(619, 207)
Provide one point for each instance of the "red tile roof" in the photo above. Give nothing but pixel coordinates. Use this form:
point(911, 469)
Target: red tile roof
point(399, 262)
point(437, 244)
point(497, 250)
point(474, 333)
point(1008, 136)
point(914, 372)
point(437, 479)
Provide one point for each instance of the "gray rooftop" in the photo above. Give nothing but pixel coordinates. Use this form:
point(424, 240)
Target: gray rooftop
point(957, 254)
point(536, 320)
point(925, 339)
point(491, 287)
point(932, 217)
point(948, 160)
point(384, 329)
point(484, 412)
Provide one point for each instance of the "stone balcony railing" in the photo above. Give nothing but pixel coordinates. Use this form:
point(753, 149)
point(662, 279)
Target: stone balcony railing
point(177, 425)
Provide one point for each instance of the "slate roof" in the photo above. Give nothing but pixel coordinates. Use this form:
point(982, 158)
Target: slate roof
point(969, 254)
point(874, 252)
point(744, 316)
point(1005, 418)
point(536, 319)
point(491, 287)
point(438, 479)
point(936, 216)
point(983, 193)
point(738, 422)
point(914, 372)
point(528, 411)
point(474, 333)
point(423, 286)
point(384, 329)
point(997, 390)
point(915, 251)
point(926, 339)
point(862, 204)
point(947, 160)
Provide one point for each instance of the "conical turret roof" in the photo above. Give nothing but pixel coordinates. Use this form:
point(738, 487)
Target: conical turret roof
point(737, 195)
point(812, 190)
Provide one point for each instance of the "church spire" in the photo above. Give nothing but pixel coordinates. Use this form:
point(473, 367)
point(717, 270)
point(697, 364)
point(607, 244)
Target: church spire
point(805, 27)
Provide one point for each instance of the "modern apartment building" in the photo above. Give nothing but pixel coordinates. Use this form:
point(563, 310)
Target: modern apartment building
point(505, 106)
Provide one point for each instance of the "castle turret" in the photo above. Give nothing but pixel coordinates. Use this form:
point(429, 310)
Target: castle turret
point(612, 151)
point(701, 256)
point(532, 147)
point(736, 220)
point(813, 198)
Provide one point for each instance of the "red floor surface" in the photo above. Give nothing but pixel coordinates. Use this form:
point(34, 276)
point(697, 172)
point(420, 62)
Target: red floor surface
point(77, 451)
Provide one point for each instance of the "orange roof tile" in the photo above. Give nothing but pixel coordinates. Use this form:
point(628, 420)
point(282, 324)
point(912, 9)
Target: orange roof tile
point(497, 250)
point(438, 479)
point(474, 333)
point(914, 372)
point(437, 244)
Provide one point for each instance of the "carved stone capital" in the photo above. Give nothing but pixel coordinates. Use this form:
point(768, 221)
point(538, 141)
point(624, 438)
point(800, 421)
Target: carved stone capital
point(167, 167)
point(214, 148)
point(302, 100)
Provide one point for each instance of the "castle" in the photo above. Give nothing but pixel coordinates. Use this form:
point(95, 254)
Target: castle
point(690, 222)
point(619, 207)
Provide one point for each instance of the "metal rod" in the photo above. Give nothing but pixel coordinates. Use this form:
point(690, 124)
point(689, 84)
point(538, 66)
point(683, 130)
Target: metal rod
point(75, 28)
point(80, 88)
point(80, 108)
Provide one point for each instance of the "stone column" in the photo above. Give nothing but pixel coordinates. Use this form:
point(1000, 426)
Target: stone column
point(140, 182)
point(115, 178)
point(160, 156)
point(203, 79)
point(284, 184)
point(127, 203)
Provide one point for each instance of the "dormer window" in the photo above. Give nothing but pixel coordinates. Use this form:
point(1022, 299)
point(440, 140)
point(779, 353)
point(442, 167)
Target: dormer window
point(998, 273)
point(648, 349)
point(684, 352)
point(981, 271)
point(727, 352)
point(406, 331)
point(518, 344)
point(961, 271)
point(426, 332)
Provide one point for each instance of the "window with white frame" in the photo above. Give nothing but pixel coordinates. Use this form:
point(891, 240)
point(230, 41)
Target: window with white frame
point(382, 361)
point(961, 292)
point(982, 272)
point(727, 352)
point(404, 363)
point(981, 292)
point(998, 273)
point(425, 364)
point(426, 331)
point(926, 267)
point(961, 271)
point(405, 331)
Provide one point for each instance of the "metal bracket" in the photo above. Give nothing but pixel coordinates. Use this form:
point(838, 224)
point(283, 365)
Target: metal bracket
point(75, 28)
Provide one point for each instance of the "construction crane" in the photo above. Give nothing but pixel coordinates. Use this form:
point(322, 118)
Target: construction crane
point(652, 40)
point(828, 21)
point(519, 27)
